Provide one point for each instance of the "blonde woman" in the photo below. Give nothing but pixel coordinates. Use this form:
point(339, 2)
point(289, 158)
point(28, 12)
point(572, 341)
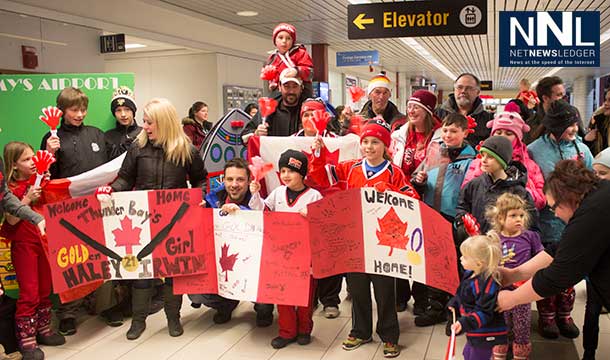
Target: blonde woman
point(161, 157)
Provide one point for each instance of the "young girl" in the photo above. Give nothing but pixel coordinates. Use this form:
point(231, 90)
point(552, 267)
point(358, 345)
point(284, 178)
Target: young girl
point(560, 141)
point(512, 126)
point(374, 170)
point(307, 117)
point(33, 316)
point(288, 55)
point(295, 323)
point(475, 300)
point(510, 219)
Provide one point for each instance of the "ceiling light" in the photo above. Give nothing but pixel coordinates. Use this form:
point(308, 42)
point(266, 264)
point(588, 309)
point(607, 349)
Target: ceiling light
point(247, 13)
point(134, 46)
point(413, 44)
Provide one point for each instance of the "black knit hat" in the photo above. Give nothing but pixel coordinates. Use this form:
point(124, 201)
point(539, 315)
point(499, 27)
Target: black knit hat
point(500, 148)
point(123, 96)
point(559, 117)
point(294, 160)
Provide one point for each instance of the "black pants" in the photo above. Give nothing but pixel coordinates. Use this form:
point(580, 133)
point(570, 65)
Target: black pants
point(328, 290)
point(590, 330)
point(7, 324)
point(362, 306)
point(404, 291)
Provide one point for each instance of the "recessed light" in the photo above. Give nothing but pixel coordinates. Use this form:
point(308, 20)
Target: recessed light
point(247, 13)
point(134, 46)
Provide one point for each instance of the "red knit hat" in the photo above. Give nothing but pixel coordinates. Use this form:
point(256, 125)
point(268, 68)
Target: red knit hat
point(425, 99)
point(287, 28)
point(312, 104)
point(377, 128)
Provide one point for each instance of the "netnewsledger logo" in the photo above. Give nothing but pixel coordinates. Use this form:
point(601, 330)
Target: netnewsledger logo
point(549, 38)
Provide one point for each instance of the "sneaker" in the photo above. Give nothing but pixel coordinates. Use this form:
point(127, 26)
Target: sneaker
point(264, 319)
point(112, 317)
point(303, 339)
point(400, 307)
point(352, 343)
point(331, 312)
point(67, 327)
point(280, 342)
point(390, 350)
point(568, 329)
point(222, 316)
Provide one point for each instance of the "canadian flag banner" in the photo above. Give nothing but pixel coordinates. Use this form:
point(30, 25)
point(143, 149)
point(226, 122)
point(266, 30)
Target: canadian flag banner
point(386, 233)
point(138, 235)
point(259, 256)
point(269, 148)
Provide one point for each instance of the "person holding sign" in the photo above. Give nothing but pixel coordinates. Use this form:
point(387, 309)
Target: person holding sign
point(33, 315)
point(162, 157)
point(374, 170)
point(295, 323)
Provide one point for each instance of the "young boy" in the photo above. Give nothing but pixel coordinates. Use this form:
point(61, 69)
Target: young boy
point(295, 323)
point(123, 108)
point(288, 55)
point(77, 148)
point(440, 188)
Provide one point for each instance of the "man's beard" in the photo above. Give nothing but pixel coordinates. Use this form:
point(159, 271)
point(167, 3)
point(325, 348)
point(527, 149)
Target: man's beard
point(291, 100)
point(462, 102)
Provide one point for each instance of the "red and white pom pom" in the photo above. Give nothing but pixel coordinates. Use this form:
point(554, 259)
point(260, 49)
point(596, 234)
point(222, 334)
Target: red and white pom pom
point(269, 73)
point(51, 117)
point(471, 225)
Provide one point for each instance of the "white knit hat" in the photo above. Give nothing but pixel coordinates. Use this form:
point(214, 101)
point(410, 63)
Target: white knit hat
point(603, 158)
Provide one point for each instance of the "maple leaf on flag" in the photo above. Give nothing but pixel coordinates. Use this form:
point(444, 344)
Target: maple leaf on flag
point(127, 235)
point(392, 231)
point(227, 261)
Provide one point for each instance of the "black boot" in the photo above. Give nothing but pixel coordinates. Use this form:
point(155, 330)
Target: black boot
point(172, 305)
point(434, 314)
point(140, 305)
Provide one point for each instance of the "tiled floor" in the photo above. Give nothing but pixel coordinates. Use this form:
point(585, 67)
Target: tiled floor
point(240, 339)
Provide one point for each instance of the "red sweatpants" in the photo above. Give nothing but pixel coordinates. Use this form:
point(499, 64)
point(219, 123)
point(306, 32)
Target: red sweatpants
point(294, 320)
point(33, 276)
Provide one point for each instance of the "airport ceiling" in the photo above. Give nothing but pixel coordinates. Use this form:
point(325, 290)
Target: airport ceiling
point(325, 21)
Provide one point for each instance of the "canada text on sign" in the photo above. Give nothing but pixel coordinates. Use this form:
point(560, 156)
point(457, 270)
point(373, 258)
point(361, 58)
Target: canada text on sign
point(416, 18)
point(549, 38)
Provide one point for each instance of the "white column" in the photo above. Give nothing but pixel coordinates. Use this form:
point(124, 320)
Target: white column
point(582, 95)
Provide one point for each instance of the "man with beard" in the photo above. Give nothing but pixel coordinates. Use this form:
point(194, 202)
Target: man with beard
point(234, 194)
point(285, 121)
point(466, 101)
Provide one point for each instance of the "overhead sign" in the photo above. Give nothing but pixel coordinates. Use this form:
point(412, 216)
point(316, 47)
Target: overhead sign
point(549, 38)
point(358, 58)
point(487, 85)
point(112, 43)
point(416, 18)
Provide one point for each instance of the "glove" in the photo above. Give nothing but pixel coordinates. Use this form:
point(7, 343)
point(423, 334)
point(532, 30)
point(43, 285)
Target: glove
point(102, 194)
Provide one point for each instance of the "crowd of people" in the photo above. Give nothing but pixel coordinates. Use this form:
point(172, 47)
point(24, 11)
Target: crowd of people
point(532, 176)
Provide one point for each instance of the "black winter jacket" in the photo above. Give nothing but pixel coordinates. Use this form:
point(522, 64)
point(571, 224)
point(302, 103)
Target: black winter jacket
point(82, 149)
point(481, 193)
point(120, 138)
point(147, 169)
point(481, 132)
point(391, 113)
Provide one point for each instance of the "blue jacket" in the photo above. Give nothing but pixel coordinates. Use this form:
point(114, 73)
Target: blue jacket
point(475, 303)
point(546, 152)
point(218, 198)
point(444, 198)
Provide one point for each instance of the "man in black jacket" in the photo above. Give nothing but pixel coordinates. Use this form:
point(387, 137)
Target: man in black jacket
point(123, 107)
point(466, 101)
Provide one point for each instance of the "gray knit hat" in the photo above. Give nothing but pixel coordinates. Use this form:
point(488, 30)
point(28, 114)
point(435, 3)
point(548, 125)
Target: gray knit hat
point(500, 148)
point(603, 158)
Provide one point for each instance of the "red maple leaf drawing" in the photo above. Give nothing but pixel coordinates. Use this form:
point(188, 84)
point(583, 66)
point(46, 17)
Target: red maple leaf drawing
point(227, 261)
point(392, 231)
point(127, 235)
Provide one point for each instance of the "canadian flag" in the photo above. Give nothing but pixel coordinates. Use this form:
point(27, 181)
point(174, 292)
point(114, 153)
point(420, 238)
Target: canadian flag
point(269, 148)
point(255, 260)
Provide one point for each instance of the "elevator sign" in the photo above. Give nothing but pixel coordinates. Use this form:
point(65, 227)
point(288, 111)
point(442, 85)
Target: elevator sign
point(416, 18)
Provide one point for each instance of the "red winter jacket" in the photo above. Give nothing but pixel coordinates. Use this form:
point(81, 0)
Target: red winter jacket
point(301, 59)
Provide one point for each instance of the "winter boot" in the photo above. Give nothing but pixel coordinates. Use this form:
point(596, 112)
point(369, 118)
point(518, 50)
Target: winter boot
point(26, 338)
point(172, 305)
point(547, 326)
point(46, 336)
point(565, 303)
point(500, 352)
point(434, 314)
point(140, 305)
point(522, 351)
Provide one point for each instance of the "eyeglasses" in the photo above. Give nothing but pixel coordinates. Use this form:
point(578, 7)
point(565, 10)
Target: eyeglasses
point(465, 88)
point(554, 207)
